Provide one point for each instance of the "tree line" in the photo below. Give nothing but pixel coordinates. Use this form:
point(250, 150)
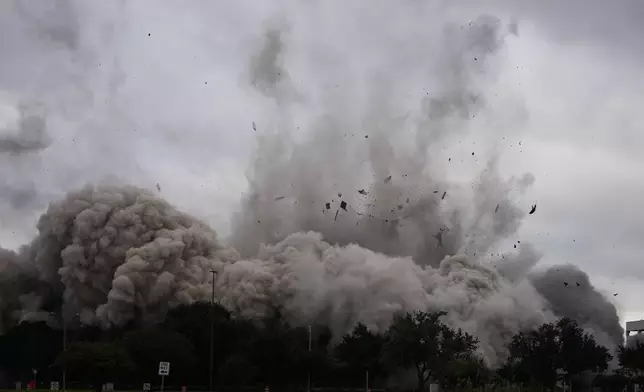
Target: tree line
point(416, 350)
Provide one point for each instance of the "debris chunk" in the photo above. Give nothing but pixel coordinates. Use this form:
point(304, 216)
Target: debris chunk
point(336, 215)
point(254, 126)
point(362, 192)
point(343, 205)
point(279, 197)
point(565, 283)
point(497, 208)
point(328, 206)
point(158, 187)
point(387, 180)
point(533, 209)
point(444, 193)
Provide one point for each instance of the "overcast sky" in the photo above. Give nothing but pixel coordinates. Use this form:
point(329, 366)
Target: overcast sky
point(151, 92)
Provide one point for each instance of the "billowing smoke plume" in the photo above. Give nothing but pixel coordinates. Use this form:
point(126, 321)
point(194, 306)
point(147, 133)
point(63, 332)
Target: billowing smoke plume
point(352, 220)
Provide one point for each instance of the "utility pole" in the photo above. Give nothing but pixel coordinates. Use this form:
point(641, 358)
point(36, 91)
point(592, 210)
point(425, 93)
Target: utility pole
point(308, 378)
point(64, 322)
point(212, 330)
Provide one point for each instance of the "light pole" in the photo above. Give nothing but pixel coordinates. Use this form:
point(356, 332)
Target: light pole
point(308, 377)
point(212, 329)
point(64, 325)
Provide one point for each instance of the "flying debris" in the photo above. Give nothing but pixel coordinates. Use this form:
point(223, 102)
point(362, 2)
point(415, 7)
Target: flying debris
point(439, 238)
point(565, 283)
point(362, 192)
point(279, 198)
point(336, 215)
point(444, 194)
point(497, 208)
point(328, 206)
point(158, 187)
point(388, 180)
point(254, 126)
point(343, 205)
point(533, 209)
point(577, 284)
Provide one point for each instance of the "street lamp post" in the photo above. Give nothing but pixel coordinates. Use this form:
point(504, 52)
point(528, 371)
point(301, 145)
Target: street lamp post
point(62, 320)
point(308, 376)
point(212, 330)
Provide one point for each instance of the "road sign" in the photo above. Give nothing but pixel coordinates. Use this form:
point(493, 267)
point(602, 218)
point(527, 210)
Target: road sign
point(146, 386)
point(53, 386)
point(164, 368)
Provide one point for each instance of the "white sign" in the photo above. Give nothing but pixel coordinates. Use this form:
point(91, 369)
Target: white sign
point(146, 386)
point(53, 386)
point(164, 368)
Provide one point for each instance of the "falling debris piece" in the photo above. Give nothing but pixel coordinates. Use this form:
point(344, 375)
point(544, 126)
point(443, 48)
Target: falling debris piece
point(339, 194)
point(577, 284)
point(328, 206)
point(615, 295)
point(533, 209)
point(439, 238)
point(279, 197)
point(387, 180)
point(449, 160)
point(565, 283)
point(515, 246)
point(254, 126)
point(158, 187)
point(366, 136)
point(435, 191)
point(472, 153)
point(336, 215)
point(362, 192)
point(407, 200)
point(497, 208)
point(400, 206)
point(444, 193)
point(343, 205)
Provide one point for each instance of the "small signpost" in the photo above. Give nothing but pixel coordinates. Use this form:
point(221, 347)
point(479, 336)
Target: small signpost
point(147, 387)
point(54, 386)
point(164, 370)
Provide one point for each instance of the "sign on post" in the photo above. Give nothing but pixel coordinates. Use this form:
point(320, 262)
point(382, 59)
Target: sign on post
point(164, 368)
point(53, 386)
point(146, 386)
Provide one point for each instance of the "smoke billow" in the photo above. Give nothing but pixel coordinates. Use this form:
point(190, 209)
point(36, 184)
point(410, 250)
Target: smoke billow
point(351, 221)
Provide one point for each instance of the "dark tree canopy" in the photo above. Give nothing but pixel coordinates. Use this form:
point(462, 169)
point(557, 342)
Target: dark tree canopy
point(631, 359)
point(421, 341)
point(554, 351)
point(270, 352)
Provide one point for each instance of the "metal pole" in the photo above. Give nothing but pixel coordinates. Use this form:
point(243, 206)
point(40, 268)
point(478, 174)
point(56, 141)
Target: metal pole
point(64, 350)
point(212, 331)
point(162, 382)
point(366, 383)
point(308, 377)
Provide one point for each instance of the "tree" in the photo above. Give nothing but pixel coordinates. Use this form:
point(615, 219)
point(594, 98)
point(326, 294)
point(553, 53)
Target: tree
point(193, 322)
point(96, 363)
point(421, 341)
point(631, 359)
point(362, 351)
point(27, 346)
point(149, 346)
point(553, 351)
point(578, 350)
